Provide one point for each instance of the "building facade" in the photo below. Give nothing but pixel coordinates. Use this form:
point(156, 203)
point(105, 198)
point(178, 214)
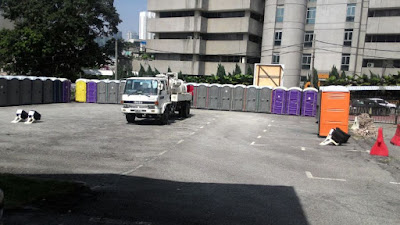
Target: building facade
point(195, 36)
point(143, 18)
point(356, 36)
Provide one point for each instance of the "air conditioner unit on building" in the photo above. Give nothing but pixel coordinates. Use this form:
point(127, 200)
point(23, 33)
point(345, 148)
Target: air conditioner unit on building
point(370, 65)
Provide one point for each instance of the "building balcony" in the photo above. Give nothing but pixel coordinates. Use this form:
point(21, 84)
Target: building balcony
point(383, 25)
point(174, 5)
point(182, 46)
point(376, 4)
point(245, 48)
point(390, 50)
point(175, 24)
point(236, 5)
point(234, 25)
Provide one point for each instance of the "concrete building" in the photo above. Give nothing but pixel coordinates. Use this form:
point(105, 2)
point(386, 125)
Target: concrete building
point(195, 36)
point(356, 36)
point(143, 18)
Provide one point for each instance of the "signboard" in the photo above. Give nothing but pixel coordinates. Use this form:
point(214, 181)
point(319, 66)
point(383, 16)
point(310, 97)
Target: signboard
point(268, 75)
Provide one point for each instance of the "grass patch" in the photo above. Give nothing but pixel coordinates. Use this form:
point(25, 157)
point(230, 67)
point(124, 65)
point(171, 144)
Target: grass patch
point(20, 191)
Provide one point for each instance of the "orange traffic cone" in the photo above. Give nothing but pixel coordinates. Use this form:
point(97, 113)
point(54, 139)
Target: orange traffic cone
point(396, 138)
point(380, 147)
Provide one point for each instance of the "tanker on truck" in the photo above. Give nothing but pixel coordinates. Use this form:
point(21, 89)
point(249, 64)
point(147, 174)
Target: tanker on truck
point(155, 97)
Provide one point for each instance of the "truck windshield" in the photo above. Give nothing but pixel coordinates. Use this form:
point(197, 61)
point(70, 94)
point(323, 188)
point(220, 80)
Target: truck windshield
point(141, 87)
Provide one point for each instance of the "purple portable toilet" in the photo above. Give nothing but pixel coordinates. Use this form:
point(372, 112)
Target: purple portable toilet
point(293, 102)
point(310, 101)
point(91, 91)
point(279, 100)
point(66, 90)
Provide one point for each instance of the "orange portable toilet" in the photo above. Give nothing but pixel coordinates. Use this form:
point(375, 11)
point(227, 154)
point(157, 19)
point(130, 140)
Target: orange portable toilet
point(334, 109)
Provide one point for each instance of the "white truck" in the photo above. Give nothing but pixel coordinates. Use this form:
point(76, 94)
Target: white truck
point(155, 97)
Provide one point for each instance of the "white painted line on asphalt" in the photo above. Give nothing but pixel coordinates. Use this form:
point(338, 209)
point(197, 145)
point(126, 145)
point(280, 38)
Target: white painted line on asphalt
point(273, 121)
point(303, 148)
point(259, 137)
point(201, 127)
point(367, 151)
point(395, 183)
point(310, 176)
point(192, 133)
point(264, 131)
point(252, 143)
point(131, 171)
point(179, 142)
point(208, 123)
point(162, 153)
point(269, 125)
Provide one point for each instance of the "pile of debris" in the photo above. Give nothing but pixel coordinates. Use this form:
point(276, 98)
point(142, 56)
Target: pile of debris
point(364, 126)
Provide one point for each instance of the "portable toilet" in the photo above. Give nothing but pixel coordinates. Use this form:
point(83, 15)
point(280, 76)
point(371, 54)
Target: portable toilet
point(65, 90)
point(279, 100)
point(252, 99)
point(334, 109)
point(121, 90)
point(80, 90)
point(192, 88)
point(25, 90)
point(226, 97)
point(47, 92)
point(57, 89)
point(238, 97)
point(310, 100)
point(214, 91)
point(91, 91)
point(13, 89)
point(265, 95)
point(202, 95)
point(102, 94)
point(3, 91)
point(37, 90)
point(113, 92)
point(293, 102)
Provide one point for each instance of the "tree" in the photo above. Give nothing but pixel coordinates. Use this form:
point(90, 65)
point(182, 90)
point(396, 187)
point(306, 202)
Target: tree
point(334, 73)
point(156, 72)
point(221, 71)
point(149, 71)
point(55, 37)
point(315, 80)
point(249, 71)
point(142, 72)
point(169, 69)
point(237, 70)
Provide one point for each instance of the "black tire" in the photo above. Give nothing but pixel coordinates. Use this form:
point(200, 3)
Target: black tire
point(130, 118)
point(165, 116)
point(187, 110)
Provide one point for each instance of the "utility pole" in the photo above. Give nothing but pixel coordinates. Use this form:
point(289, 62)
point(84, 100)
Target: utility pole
point(312, 63)
point(116, 58)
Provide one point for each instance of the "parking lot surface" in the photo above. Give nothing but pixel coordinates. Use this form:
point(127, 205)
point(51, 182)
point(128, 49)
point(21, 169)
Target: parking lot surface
point(215, 167)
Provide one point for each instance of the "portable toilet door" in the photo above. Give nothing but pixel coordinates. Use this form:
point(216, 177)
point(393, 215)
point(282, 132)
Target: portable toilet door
point(265, 95)
point(294, 101)
point(25, 90)
point(190, 89)
point(202, 95)
point(226, 97)
point(310, 98)
point(102, 92)
point(252, 99)
point(334, 109)
point(113, 92)
point(279, 100)
point(194, 86)
point(121, 90)
point(3, 91)
point(65, 90)
point(214, 96)
point(47, 90)
point(13, 91)
point(57, 90)
point(37, 90)
point(91, 91)
point(238, 97)
point(80, 90)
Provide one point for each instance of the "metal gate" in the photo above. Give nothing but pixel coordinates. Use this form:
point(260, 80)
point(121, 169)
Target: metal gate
point(238, 97)
point(251, 99)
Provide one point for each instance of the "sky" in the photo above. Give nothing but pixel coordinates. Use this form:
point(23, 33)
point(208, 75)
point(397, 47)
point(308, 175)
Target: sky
point(129, 14)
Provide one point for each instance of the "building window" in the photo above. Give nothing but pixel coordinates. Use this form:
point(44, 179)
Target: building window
point(382, 38)
point(280, 11)
point(345, 62)
point(306, 62)
point(275, 58)
point(311, 15)
point(348, 37)
point(212, 15)
point(278, 38)
point(176, 14)
point(351, 12)
point(308, 38)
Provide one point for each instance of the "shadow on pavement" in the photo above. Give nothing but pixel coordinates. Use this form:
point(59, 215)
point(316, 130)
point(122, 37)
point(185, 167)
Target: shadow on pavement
point(138, 200)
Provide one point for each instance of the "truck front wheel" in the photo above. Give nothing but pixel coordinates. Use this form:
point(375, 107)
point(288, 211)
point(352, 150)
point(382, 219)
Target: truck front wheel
point(185, 110)
point(130, 118)
point(165, 116)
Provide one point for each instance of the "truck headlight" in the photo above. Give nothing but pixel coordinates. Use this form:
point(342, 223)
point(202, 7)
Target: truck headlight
point(152, 106)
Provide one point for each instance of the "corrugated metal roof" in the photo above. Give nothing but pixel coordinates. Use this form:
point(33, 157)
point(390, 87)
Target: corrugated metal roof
point(374, 88)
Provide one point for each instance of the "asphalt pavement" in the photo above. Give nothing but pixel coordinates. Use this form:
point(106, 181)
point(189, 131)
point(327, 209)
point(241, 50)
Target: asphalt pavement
point(215, 167)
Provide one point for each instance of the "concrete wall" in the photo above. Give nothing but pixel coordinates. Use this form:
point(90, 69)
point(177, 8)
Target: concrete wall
point(384, 4)
point(235, 5)
point(183, 46)
point(383, 25)
point(234, 25)
point(175, 24)
point(174, 5)
point(211, 67)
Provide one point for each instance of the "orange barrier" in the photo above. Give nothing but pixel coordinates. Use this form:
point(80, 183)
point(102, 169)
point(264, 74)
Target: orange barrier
point(380, 147)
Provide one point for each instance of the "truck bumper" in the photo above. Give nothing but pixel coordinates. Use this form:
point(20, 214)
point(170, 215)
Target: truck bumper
point(155, 111)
